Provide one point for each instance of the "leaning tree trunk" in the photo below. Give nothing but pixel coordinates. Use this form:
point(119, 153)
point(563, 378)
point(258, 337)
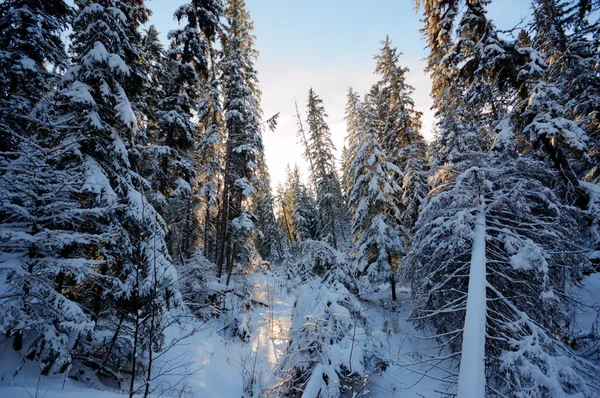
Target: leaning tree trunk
point(471, 377)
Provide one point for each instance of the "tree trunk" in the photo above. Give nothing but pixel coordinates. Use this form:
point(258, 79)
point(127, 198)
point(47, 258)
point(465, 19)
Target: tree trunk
point(471, 377)
point(561, 163)
point(230, 257)
point(222, 233)
point(207, 220)
point(136, 331)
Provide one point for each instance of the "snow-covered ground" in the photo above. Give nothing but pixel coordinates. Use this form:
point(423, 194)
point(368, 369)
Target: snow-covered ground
point(206, 364)
point(409, 373)
point(209, 364)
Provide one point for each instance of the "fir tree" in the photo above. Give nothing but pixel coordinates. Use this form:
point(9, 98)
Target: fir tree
point(305, 208)
point(400, 121)
point(211, 148)
point(472, 257)
point(269, 242)
point(398, 127)
point(32, 53)
point(49, 231)
point(324, 174)
point(190, 70)
point(373, 200)
point(97, 119)
point(244, 148)
point(563, 37)
point(487, 269)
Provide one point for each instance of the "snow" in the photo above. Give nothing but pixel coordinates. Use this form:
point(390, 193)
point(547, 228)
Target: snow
point(80, 92)
point(206, 363)
point(116, 63)
point(124, 111)
point(529, 257)
point(28, 63)
point(97, 182)
point(471, 378)
point(98, 54)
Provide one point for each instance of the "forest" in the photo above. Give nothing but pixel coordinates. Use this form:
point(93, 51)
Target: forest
point(145, 251)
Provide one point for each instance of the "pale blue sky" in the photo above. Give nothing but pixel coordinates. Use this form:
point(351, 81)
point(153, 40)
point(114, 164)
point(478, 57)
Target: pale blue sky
point(329, 45)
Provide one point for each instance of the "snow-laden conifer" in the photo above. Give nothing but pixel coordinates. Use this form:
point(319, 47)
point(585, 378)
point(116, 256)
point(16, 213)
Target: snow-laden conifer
point(374, 202)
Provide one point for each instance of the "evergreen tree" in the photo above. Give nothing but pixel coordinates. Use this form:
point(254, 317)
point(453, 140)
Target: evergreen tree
point(563, 37)
point(398, 127)
point(93, 113)
point(286, 197)
point(352, 138)
point(155, 68)
point(32, 53)
point(269, 242)
point(179, 139)
point(489, 277)
point(49, 232)
point(324, 174)
point(400, 121)
point(211, 148)
point(304, 210)
point(244, 147)
point(373, 200)
point(484, 273)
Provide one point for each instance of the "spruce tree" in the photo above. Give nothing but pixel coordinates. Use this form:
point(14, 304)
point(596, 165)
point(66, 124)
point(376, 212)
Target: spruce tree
point(286, 198)
point(244, 146)
point(269, 242)
point(400, 121)
point(212, 151)
point(398, 128)
point(49, 231)
point(32, 54)
point(481, 280)
point(488, 274)
point(373, 200)
point(563, 36)
point(324, 174)
point(190, 69)
point(305, 208)
point(97, 119)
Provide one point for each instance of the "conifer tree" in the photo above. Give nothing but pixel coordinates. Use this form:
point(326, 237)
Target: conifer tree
point(488, 276)
point(155, 68)
point(97, 119)
point(324, 174)
point(398, 128)
point(286, 197)
point(32, 54)
point(373, 199)
point(180, 138)
point(211, 148)
point(269, 242)
point(352, 139)
point(244, 147)
point(562, 35)
point(400, 122)
point(48, 230)
point(305, 209)
point(472, 257)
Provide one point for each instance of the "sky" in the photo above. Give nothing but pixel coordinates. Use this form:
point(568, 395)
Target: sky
point(329, 45)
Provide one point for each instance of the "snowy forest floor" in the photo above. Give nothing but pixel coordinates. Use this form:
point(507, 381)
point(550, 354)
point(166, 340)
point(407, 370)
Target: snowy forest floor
point(210, 363)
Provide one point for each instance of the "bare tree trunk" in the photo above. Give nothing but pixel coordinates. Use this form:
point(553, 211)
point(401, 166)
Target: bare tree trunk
point(230, 257)
point(136, 331)
point(332, 225)
point(223, 230)
point(207, 221)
